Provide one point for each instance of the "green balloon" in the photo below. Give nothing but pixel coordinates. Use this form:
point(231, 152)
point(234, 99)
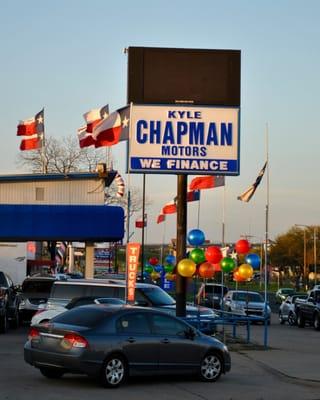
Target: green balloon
point(148, 269)
point(227, 264)
point(168, 268)
point(197, 255)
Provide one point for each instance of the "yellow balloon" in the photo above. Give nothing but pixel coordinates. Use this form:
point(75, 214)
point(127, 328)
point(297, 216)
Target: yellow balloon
point(245, 271)
point(154, 275)
point(170, 276)
point(186, 267)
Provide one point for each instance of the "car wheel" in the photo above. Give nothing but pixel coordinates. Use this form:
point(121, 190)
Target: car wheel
point(281, 320)
point(3, 323)
point(114, 371)
point(300, 321)
point(51, 373)
point(316, 322)
point(210, 367)
point(291, 319)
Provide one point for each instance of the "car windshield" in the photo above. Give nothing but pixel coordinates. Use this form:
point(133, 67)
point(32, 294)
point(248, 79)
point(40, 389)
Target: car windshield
point(248, 297)
point(287, 291)
point(157, 296)
point(37, 286)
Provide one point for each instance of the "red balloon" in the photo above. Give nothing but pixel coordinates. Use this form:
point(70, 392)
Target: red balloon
point(242, 246)
point(213, 254)
point(206, 270)
point(217, 267)
point(153, 261)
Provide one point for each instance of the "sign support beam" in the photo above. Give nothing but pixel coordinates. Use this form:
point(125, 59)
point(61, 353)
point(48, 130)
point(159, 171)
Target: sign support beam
point(181, 282)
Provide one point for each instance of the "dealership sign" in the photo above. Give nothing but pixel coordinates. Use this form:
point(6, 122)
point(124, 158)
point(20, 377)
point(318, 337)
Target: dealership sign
point(184, 139)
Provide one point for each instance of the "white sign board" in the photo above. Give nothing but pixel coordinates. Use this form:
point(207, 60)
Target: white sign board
point(184, 139)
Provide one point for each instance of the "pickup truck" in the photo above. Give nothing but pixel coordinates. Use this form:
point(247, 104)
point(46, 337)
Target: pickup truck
point(308, 310)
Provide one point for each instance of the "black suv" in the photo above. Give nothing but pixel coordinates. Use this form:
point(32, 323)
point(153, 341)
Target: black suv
point(9, 303)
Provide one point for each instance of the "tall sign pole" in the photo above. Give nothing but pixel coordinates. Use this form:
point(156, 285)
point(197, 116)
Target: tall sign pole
point(181, 282)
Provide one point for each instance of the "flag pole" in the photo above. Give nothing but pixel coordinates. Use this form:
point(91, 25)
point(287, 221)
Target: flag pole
point(44, 171)
point(266, 239)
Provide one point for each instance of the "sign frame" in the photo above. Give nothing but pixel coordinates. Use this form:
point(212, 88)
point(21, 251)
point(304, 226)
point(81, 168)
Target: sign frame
point(210, 134)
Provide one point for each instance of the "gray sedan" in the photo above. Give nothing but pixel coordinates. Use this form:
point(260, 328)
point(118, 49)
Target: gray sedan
point(114, 342)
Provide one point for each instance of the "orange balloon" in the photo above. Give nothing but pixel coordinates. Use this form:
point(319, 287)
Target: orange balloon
point(206, 270)
point(216, 267)
point(237, 277)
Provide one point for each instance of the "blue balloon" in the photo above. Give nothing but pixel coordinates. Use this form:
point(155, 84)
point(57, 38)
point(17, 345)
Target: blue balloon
point(158, 268)
point(253, 259)
point(196, 237)
point(170, 259)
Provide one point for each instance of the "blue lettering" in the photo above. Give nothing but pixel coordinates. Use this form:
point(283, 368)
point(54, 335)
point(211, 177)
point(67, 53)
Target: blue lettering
point(182, 129)
point(141, 136)
point(155, 132)
point(212, 137)
point(196, 133)
point(168, 135)
point(171, 114)
point(226, 134)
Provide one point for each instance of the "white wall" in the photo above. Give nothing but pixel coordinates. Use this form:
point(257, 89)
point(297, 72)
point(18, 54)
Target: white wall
point(13, 260)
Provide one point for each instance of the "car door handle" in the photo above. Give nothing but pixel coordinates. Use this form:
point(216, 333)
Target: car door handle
point(165, 341)
point(131, 340)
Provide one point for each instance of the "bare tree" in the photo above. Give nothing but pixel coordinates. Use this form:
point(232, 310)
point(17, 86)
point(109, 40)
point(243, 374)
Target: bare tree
point(61, 156)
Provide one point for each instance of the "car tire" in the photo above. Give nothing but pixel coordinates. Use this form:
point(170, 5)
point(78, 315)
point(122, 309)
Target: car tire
point(51, 373)
point(211, 367)
point(3, 323)
point(316, 322)
point(281, 320)
point(291, 319)
point(300, 321)
point(114, 371)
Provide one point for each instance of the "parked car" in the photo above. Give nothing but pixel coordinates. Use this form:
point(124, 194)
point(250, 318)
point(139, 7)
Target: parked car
point(282, 293)
point(44, 315)
point(213, 294)
point(34, 293)
point(111, 343)
point(9, 303)
point(245, 302)
point(308, 310)
point(287, 309)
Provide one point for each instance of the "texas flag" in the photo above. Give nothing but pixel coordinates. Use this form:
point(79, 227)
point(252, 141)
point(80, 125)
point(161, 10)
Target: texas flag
point(161, 218)
point(169, 208)
point(33, 130)
point(206, 182)
point(113, 129)
point(95, 116)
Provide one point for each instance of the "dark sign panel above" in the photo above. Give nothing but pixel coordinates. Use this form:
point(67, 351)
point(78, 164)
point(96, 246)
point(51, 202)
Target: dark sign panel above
point(184, 76)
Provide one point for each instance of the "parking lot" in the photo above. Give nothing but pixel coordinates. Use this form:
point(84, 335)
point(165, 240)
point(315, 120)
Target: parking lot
point(288, 369)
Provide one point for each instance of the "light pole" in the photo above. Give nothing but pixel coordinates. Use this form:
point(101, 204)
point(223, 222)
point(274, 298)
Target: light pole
point(305, 251)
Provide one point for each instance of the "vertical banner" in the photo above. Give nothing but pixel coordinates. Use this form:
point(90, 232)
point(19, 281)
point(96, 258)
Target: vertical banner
point(133, 252)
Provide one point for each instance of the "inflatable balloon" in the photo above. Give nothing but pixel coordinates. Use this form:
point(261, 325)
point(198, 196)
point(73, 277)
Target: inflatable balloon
point(170, 277)
point(154, 275)
point(253, 259)
point(242, 246)
point(216, 267)
point(213, 254)
point(168, 268)
point(206, 270)
point(197, 255)
point(186, 267)
point(196, 237)
point(227, 264)
point(148, 268)
point(153, 261)
point(245, 271)
point(170, 259)
point(237, 277)
point(158, 268)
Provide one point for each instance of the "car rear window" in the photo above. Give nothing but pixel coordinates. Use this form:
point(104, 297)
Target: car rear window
point(68, 291)
point(212, 289)
point(82, 316)
point(37, 286)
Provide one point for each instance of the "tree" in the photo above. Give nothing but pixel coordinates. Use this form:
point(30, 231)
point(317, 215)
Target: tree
point(61, 156)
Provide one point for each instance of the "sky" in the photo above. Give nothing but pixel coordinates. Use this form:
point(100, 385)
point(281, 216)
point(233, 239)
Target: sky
point(68, 56)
